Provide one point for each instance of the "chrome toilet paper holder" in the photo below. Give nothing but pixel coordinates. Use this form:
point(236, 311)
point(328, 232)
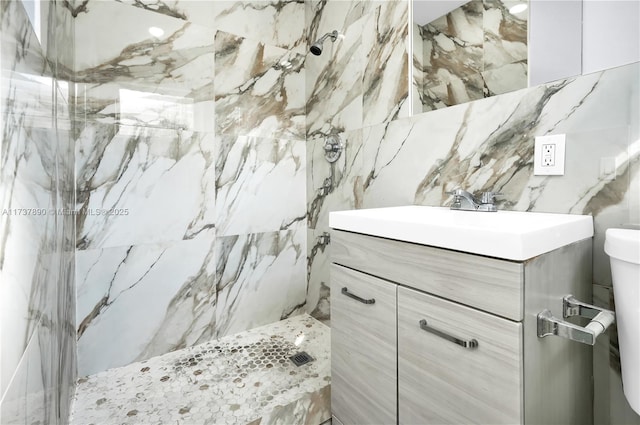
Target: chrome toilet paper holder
point(601, 319)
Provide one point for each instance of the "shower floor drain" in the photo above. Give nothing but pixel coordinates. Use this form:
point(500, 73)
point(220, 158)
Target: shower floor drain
point(301, 358)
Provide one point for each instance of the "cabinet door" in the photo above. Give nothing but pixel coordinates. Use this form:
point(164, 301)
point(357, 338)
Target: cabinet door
point(363, 348)
point(442, 382)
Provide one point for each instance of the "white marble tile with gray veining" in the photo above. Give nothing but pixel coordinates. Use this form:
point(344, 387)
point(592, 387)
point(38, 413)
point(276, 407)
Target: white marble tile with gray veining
point(139, 185)
point(505, 35)
point(453, 44)
point(614, 206)
point(386, 71)
point(135, 302)
point(187, 10)
point(21, 49)
point(275, 23)
point(505, 79)
point(334, 80)
point(57, 38)
point(272, 22)
point(259, 89)
point(162, 80)
point(27, 264)
point(318, 303)
point(25, 401)
point(152, 299)
point(26, 77)
point(325, 16)
point(477, 50)
point(358, 79)
point(418, 66)
point(40, 388)
point(259, 175)
point(261, 278)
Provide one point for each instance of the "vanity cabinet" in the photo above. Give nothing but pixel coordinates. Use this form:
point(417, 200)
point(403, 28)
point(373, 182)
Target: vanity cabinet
point(363, 344)
point(435, 336)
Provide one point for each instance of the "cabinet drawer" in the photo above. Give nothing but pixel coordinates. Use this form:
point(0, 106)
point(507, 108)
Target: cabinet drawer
point(363, 349)
point(485, 283)
point(441, 382)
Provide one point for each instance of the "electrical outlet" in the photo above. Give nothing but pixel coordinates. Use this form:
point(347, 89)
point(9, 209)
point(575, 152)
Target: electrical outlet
point(549, 155)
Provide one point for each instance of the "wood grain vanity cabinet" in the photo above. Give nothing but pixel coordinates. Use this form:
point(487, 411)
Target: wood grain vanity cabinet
point(423, 335)
point(364, 336)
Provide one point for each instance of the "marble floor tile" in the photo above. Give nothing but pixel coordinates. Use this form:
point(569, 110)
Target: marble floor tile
point(239, 379)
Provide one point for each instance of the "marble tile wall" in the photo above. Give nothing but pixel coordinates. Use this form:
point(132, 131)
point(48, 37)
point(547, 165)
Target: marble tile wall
point(37, 287)
point(481, 145)
point(477, 50)
point(361, 80)
point(193, 142)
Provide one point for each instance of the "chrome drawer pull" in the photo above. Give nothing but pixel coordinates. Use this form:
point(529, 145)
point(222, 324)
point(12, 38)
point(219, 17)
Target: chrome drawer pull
point(355, 297)
point(466, 344)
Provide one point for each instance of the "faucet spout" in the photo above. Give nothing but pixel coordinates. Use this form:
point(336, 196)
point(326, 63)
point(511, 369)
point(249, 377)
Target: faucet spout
point(463, 200)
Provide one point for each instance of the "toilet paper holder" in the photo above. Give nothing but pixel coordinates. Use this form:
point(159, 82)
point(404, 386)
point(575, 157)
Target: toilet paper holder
point(600, 321)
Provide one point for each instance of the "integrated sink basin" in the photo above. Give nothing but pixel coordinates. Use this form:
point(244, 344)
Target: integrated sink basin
point(509, 235)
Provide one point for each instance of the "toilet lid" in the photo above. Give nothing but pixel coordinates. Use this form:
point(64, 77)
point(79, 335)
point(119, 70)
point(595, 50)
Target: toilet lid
point(623, 244)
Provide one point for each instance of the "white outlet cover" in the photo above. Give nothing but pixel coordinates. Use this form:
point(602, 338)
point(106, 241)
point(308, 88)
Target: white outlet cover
point(558, 168)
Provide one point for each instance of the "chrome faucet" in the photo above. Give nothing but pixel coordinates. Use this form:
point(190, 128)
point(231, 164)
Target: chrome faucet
point(465, 201)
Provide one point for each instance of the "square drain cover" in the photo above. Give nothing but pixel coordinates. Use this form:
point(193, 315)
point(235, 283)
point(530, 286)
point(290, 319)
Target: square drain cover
point(301, 358)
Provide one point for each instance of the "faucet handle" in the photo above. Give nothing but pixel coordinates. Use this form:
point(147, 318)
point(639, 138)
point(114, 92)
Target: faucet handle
point(488, 197)
point(457, 192)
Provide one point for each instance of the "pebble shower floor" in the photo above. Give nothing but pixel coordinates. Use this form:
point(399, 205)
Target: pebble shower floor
point(245, 378)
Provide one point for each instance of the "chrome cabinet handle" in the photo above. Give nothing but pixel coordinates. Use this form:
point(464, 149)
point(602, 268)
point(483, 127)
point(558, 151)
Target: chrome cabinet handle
point(346, 292)
point(466, 344)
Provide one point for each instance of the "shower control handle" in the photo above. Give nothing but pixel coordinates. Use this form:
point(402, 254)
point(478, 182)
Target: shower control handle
point(333, 147)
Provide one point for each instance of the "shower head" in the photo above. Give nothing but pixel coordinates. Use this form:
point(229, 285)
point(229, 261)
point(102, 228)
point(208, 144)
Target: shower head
point(316, 48)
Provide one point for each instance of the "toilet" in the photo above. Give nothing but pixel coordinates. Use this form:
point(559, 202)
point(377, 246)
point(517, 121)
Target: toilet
point(623, 248)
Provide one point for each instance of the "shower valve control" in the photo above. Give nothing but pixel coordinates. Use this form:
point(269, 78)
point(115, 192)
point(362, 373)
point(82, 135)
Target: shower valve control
point(333, 147)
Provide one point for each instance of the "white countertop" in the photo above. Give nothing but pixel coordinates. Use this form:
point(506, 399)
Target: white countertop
point(510, 235)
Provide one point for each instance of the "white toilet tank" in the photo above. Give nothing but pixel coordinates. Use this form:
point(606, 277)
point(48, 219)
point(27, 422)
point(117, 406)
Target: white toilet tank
point(623, 248)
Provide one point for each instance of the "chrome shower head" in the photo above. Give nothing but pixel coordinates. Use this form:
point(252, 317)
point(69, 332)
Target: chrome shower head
point(316, 48)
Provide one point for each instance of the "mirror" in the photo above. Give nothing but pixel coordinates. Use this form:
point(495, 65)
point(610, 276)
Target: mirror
point(468, 50)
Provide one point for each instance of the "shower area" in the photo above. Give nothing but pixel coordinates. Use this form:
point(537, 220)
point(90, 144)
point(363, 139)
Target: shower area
point(157, 242)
